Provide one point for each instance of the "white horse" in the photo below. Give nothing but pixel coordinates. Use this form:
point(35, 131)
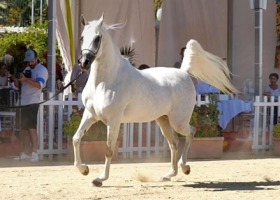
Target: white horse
point(116, 93)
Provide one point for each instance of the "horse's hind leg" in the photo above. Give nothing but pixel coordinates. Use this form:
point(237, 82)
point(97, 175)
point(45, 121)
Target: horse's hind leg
point(85, 124)
point(188, 133)
point(172, 140)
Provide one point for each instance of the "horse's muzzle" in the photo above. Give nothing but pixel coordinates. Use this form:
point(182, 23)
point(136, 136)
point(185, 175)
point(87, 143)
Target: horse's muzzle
point(86, 60)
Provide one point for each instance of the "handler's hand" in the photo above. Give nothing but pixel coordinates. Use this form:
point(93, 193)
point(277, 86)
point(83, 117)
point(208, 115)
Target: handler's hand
point(22, 78)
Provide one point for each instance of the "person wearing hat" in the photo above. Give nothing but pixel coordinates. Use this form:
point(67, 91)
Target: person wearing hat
point(32, 80)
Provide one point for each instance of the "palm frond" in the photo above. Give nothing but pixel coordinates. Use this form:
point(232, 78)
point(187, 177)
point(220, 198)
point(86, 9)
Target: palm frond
point(129, 53)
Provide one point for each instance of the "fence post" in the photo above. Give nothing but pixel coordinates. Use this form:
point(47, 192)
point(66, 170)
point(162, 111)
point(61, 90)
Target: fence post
point(41, 127)
point(262, 134)
point(140, 139)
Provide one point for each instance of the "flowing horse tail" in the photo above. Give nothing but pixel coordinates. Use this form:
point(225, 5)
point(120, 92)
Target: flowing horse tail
point(207, 67)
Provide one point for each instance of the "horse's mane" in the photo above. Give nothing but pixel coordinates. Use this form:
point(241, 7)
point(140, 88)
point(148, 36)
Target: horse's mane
point(126, 52)
point(114, 26)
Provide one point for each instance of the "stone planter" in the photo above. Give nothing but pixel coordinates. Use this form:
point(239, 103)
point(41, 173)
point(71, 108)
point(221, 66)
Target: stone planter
point(9, 144)
point(276, 146)
point(92, 151)
point(204, 148)
point(9, 149)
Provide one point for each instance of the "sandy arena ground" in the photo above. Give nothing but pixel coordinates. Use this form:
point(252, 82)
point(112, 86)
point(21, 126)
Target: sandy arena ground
point(229, 178)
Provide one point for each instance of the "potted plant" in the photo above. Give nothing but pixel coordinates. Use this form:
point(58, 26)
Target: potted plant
point(276, 139)
point(208, 141)
point(93, 143)
point(205, 119)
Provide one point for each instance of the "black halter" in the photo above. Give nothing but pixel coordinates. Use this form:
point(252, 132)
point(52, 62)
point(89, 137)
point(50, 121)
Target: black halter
point(93, 54)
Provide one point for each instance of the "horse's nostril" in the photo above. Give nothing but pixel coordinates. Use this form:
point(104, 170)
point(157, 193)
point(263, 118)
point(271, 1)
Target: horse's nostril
point(86, 62)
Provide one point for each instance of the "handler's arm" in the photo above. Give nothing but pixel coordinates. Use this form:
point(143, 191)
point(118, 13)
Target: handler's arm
point(30, 82)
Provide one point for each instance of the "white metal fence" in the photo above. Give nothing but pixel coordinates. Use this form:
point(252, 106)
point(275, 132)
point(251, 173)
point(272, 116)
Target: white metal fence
point(138, 139)
point(266, 113)
point(52, 115)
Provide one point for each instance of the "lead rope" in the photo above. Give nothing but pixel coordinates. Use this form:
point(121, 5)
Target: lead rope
point(57, 93)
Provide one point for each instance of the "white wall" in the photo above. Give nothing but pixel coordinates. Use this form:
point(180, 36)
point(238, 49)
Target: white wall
point(243, 42)
point(242, 32)
point(182, 20)
point(139, 24)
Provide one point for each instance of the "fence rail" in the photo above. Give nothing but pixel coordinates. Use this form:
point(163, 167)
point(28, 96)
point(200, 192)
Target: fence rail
point(266, 112)
point(138, 139)
point(51, 117)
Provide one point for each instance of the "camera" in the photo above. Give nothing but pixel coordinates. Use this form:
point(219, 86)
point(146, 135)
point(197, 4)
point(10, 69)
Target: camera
point(26, 73)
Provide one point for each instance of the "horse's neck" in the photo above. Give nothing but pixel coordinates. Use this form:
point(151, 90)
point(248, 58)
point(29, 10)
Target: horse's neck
point(106, 67)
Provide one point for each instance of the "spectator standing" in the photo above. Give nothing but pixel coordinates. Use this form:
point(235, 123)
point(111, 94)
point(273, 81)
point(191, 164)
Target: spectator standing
point(8, 58)
point(3, 74)
point(273, 90)
point(81, 81)
point(4, 83)
point(32, 81)
point(178, 63)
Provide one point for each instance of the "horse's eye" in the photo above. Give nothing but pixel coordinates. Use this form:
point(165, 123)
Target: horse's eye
point(81, 39)
point(97, 41)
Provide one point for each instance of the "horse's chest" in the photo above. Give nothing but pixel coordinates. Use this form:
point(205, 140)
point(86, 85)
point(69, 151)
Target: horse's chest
point(101, 101)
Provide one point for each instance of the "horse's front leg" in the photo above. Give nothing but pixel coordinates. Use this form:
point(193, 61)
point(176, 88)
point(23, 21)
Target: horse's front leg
point(85, 124)
point(112, 136)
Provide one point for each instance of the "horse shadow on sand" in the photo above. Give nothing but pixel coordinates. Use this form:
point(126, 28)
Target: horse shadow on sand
point(234, 186)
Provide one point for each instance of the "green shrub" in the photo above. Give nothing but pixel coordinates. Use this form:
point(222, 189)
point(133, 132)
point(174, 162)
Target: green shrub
point(35, 37)
point(97, 132)
point(205, 119)
point(276, 130)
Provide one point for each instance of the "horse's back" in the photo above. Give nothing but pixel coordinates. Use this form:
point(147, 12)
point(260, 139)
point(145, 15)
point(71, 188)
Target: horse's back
point(172, 79)
point(158, 91)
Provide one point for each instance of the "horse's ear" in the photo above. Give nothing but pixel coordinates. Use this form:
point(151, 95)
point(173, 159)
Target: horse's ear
point(83, 20)
point(100, 21)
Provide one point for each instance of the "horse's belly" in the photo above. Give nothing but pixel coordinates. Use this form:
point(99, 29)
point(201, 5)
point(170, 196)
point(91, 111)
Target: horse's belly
point(143, 114)
point(138, 118)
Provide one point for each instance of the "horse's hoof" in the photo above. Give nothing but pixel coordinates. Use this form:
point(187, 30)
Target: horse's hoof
point(165, 179)
point(186, 169)
point(97, 182)
point(86, 171)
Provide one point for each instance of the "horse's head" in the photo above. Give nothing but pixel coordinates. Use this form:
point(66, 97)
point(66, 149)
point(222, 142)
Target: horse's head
point(90, 41)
